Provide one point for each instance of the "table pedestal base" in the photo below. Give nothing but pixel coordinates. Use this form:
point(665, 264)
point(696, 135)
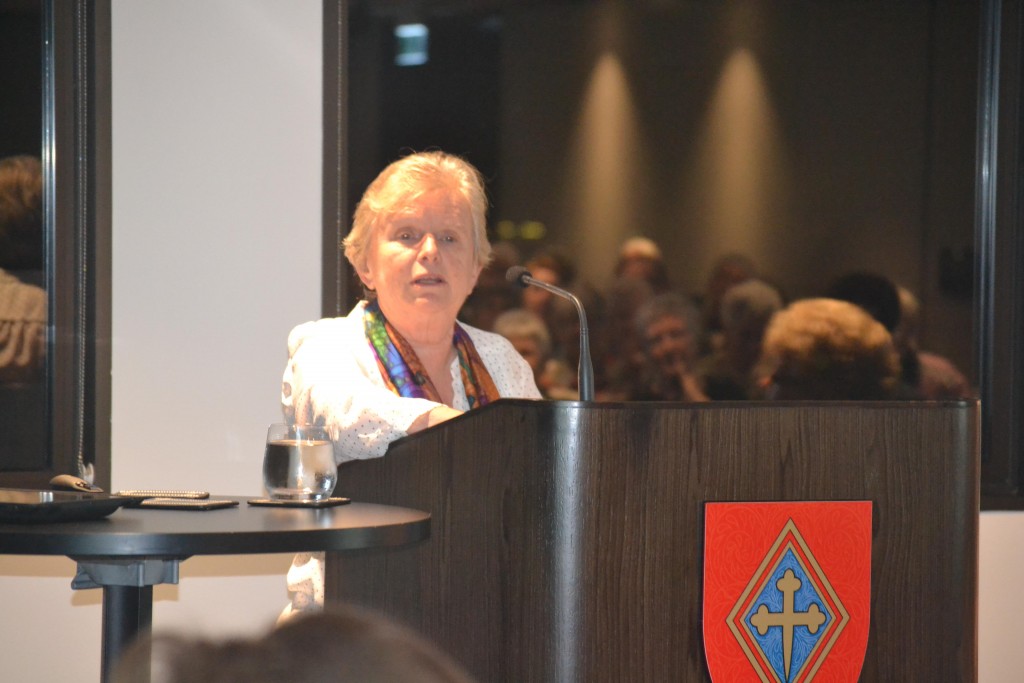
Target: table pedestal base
point(127, 599)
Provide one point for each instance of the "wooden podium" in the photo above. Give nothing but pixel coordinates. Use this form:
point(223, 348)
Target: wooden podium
point(567, 538)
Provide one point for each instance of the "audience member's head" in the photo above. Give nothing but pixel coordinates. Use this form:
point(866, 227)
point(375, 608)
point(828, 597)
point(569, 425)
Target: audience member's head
point(528, 334)
point(640, 258)
point(551, 267)
point(668, 326)
point(21, 213)
point(338, 646)
point(729, 270)
point(825, 349)
point(745, 312)
point(874, 293)
point(625, 297)
point(556, 260)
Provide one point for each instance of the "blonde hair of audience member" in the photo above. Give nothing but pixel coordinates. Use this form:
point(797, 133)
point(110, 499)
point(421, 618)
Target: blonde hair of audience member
point(825, 349)
point(341, 645)
point(408, 179)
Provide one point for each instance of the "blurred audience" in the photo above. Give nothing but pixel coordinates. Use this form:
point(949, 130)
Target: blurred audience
point(529, 335)
point(619, 355)
point(493, 292)
point(826, 349)
point(669, 328)
point(728, 372)
point(341, 645)
point(874, 293)
point(647, 345)
point(551, 267)
point(879, 296)
point(23, 303)
point(933, 376)
point(640, 258)
point(730, 269)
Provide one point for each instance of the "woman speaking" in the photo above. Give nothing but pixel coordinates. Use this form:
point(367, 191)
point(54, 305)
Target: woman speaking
point(399, 362)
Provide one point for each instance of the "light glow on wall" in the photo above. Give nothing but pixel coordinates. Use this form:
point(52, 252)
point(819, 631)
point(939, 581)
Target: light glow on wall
point(740, 177)
point(606, 176)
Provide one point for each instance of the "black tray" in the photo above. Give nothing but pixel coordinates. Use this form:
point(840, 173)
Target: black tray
point(36, 506)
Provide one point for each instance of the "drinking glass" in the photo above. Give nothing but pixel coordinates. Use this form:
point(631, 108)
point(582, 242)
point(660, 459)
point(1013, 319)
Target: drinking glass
point(299, 463)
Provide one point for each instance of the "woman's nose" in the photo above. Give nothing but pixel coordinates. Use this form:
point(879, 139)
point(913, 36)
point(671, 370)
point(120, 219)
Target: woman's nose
point(428, 247)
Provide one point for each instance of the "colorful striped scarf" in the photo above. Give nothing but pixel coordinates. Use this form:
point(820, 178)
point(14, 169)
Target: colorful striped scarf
point(405, 375)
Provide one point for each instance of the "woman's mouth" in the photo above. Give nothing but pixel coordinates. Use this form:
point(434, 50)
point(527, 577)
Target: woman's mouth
point(428, 280)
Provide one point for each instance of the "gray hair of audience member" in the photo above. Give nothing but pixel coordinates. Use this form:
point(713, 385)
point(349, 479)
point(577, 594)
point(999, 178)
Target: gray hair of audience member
point(405, 180)
point(749, 304)
point(519, 322)
point(341, 644)
point(668, 304)
point(826, 349)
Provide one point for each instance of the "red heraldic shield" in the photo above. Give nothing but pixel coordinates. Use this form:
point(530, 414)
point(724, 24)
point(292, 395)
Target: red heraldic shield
point(787, 591)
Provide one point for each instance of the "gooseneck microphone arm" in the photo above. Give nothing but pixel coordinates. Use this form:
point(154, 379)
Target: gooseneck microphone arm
point(524, 279)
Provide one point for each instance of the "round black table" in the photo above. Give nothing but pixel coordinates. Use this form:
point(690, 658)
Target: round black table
point(133, 549)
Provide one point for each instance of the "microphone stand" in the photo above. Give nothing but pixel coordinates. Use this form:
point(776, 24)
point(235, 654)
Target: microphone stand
point(586, 367)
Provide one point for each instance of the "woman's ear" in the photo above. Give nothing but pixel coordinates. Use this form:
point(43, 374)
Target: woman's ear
point(365, 273)
point(366, 277)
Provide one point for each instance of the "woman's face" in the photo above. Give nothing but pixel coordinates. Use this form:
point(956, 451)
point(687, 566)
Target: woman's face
point(670, 343)
point(422, 263)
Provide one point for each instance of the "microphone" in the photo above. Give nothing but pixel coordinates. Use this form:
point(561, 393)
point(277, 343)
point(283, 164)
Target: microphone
point(523, 278)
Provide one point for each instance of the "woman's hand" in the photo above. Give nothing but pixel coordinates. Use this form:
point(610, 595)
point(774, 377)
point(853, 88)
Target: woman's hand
point(433, 417)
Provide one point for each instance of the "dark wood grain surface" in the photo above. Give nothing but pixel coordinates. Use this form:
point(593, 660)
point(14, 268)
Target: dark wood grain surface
point(567, 539)
point(245, 529)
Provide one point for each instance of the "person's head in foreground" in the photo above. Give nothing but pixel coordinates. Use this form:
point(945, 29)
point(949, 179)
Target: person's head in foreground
point(21, 213)
point(825, 349)
point(341, 645)
point(418, 241)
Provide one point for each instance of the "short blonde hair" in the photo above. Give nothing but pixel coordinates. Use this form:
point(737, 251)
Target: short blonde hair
point(821, 349)
point(407, 179)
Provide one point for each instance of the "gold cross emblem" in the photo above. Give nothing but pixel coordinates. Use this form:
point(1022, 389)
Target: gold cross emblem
point(788, 618)
point(824, 623)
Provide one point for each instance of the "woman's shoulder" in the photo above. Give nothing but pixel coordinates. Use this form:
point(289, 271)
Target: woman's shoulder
point(485, 338)
point(325, 329)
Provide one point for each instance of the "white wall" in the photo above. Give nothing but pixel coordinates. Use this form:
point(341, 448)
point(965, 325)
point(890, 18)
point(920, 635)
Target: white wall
point(216, 254)
point(1001, 597)
point(216, 117)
